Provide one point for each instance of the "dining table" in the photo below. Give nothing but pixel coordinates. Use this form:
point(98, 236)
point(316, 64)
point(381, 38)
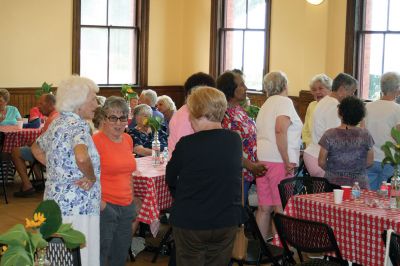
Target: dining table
point(357, 225)
point(150, 186)
point(17, 137)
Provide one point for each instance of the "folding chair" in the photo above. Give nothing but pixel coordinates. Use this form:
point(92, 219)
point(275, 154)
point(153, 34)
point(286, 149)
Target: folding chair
point(58, 254)
point(394, 247)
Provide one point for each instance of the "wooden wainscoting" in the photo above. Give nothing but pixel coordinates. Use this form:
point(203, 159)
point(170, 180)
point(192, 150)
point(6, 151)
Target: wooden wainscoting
point(24, 98)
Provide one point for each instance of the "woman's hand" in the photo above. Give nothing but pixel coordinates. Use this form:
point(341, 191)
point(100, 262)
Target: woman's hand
point(258, 169)
point(103, 205)
point(289, 167)
point(85, 183)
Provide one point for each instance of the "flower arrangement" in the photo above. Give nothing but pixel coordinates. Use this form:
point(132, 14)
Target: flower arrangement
point(127, 92)
point(44, 89)
point(392, 150)
point(251, 110)
point(153, 122)
point(21, 242)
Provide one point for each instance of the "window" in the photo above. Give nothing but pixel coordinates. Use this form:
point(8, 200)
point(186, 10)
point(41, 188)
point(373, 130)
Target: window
point(377, 43)
point(109, 41)
point(240, 37)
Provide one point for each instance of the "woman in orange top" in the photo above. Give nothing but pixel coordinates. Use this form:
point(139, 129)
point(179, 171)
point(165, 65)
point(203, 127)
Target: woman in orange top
point(116, 164)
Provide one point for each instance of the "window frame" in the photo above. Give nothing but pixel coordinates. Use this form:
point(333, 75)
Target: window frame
point(354, 35)
point(142, 24)
point(216, 29)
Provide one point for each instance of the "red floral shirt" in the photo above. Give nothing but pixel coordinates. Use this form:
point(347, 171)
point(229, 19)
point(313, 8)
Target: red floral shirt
point(236, 119)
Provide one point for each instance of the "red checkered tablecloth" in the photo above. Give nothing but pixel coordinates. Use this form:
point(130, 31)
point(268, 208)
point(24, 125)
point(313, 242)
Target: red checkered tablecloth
point(15, 137)
point(357, 227)
point(149, 185)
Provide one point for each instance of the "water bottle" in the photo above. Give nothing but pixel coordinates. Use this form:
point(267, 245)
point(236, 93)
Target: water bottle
point(165, 154)
point(395, 193)
point(155, 150)
point(356, 192)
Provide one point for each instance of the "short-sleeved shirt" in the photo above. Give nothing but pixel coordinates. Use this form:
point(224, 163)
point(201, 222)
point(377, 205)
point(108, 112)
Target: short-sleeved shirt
point(53, 115)
point(58, 143)
point(142, 139)
point(35, 113)
point(308, 123)
point(347, 150)
point(236, 119)
point(179, 126)
point(117, 165)
point(267, 148)
point(12, 115)
point(381, 117)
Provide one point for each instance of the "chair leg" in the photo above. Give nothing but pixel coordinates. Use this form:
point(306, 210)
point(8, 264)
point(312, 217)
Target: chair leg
point(162, 243)
point(4, 176)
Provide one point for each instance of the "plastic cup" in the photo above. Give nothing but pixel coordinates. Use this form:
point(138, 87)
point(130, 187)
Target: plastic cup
point(338, 196)
point(346, 192)
point(389, 188)
point(20, 124)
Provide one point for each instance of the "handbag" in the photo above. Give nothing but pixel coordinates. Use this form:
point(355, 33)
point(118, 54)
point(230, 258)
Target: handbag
point(239, 250)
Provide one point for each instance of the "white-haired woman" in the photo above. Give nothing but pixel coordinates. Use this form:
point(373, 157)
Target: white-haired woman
point(73, 164)
point(320, 86)
point(278, 145)
point(167, 107)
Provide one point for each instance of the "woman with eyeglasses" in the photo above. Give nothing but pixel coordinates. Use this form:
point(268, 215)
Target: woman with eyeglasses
point(117, 162)
point(142, 134)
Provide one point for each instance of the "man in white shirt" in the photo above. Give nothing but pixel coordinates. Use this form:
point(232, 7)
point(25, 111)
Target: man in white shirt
point(325, 117)
point(382, 116)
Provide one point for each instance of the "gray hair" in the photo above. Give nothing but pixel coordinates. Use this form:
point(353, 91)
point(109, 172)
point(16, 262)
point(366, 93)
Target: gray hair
point(5, 94)
point(275, 83)
point(390, 82)
point(151, 96)
point(342, 79)
point(116, 103)
point(73, 92)
point(167, 102)
point(324, 79)
point(142, 109)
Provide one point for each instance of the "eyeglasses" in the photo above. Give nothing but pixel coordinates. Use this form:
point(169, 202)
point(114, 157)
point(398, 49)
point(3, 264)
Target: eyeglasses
point(113, 118)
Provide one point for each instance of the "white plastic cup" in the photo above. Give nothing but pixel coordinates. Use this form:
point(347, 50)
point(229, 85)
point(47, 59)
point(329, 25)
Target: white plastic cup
point(20, 124)
point(338, 196)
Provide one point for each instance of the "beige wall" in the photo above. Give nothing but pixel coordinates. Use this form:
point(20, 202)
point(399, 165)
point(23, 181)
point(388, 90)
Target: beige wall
point(36, 41)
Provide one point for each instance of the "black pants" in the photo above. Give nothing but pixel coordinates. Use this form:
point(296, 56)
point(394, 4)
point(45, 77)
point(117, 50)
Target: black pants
point(204, 247)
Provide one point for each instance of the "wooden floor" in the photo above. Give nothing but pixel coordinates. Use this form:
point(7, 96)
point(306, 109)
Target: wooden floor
point(18, 209)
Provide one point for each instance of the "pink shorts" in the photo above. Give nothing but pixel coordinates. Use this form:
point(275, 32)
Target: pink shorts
point(267, 185)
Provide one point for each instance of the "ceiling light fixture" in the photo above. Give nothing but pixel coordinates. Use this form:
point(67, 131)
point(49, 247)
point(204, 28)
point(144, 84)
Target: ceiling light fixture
point(315, 2)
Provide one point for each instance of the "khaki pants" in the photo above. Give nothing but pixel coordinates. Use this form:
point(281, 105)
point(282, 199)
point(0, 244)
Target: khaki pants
point(204, 247)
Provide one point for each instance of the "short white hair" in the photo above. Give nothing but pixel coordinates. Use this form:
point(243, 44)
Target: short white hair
point(142, 109)
point(167, 101)
point(73, 92)
point(151, 96)
point(275, 83)
point(323, 79)
point(390, 82)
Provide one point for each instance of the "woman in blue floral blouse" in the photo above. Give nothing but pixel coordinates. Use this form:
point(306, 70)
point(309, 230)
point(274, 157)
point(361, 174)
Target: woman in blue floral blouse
point(72, 161)
point(142, 134)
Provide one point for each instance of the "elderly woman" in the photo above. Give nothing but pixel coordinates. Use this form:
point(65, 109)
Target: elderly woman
point(382, 116)
point(142, 134)
point(8, 114)
point(204, 175)
point(72, 161)
point(117, 164)
point(236, 119)
point(320, 86)
point(167, 107)
point(346, 151)
point(278, 145)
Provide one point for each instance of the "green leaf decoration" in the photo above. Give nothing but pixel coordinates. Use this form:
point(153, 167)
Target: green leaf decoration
point(16, 256)
point(396, 135)
point(252, 111)
point(128, 92)
point(392, 150)
point(52, 213)
point(16, 235)
point(64, 228)
point(154, 123)
point(44, 89)
point(72, 238)
point(38, 241)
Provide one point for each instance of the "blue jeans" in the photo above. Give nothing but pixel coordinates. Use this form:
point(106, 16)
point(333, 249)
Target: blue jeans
point(377, 174)
point(115, 233)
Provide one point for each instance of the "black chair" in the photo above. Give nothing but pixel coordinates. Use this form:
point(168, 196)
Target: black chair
point(308, 236)
point(394, 247)
point(6, 166)
point(302, 185)
point(58, 254)
point(258, 251)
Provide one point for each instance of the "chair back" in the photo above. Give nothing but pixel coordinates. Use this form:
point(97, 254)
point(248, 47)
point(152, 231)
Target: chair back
point(302, 185)
point(58, 254)
point(306, 236)
point(394, 247)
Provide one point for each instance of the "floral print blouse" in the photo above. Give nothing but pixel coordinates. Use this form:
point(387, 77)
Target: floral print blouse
point(145, 140)
point(236, 119)
point(58, 142)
